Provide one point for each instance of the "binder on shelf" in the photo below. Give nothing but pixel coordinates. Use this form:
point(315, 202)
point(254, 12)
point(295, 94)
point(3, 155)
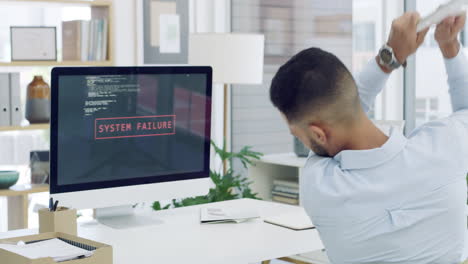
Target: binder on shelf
point(5, 100)
point(16, 111)
point(102, 253)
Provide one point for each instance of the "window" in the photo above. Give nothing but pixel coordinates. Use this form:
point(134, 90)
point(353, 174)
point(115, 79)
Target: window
point(367, 31)
point(364, 37)
point(371, 25)
point(432, 100)
point(365, 40)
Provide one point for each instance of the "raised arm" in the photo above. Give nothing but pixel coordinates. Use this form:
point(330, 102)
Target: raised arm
point(370, 82)
point(456, 62)
point(457, 72)
point(402, 42)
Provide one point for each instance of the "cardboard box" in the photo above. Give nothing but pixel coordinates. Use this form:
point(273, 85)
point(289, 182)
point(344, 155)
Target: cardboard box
point(102, 254)
point(63, 220)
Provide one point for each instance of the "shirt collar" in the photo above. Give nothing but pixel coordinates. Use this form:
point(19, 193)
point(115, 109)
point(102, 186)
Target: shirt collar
point(364, 159)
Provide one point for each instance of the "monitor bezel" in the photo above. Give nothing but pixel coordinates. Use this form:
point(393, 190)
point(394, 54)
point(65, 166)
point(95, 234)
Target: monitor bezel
point(55, 188)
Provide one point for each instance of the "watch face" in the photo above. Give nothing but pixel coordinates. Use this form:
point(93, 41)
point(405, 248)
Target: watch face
point(386, 56)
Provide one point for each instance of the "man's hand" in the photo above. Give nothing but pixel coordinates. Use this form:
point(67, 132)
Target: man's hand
point(404, 39)
point(446, 35)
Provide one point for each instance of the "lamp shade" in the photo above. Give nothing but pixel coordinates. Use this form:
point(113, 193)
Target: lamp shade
point(235, 58)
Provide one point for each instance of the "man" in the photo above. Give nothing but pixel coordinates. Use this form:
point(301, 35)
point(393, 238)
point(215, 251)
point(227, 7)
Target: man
point(377, 198)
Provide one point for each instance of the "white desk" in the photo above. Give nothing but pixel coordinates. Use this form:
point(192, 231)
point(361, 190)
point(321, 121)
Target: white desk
point(181, 238)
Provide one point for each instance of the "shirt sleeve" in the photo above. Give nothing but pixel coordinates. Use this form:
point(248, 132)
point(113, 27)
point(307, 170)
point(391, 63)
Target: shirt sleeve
point(457, 73)
point(370, 82)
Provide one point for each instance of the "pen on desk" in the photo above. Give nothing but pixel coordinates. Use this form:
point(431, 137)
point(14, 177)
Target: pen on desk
point(51, 204)
point(55, 205)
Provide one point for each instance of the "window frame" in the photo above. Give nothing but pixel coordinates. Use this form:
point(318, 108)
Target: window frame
point(409, 86)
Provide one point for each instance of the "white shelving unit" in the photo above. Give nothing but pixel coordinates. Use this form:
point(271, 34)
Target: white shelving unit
point(284, 166)
point(100, 9)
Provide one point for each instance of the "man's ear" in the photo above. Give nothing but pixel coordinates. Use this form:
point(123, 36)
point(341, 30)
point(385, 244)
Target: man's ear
point(318, 133)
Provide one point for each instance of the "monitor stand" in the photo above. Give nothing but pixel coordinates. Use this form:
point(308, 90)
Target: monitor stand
point(124, 217)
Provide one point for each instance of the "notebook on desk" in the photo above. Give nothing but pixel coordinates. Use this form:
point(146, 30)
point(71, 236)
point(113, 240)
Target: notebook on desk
point(58, 249)
point(211, 215)
point(296, 220)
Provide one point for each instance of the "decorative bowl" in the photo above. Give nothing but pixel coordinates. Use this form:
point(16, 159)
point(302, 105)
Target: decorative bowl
point(8, 179)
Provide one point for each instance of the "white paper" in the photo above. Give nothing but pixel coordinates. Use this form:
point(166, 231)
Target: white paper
point(169, 34)
point(452, 8)
point(54, 248)
point(158, 8)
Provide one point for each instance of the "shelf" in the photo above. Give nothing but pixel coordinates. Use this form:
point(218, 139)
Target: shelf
point(30, 127)
point(55, 63)
point(100, 9)
point(35, 188)
point(286, 159)
point(90, 3)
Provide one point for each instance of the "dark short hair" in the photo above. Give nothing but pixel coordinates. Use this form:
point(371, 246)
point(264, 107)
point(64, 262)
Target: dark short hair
point(313, 81)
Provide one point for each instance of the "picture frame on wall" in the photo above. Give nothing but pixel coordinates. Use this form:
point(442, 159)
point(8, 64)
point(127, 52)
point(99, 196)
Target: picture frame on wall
point(33, 43)
point(163, 31)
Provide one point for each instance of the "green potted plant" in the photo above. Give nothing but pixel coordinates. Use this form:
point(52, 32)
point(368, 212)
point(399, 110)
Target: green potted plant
point(228, 185)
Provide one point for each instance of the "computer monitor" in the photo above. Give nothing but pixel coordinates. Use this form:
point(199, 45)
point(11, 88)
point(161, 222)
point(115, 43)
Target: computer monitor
point(123, 135)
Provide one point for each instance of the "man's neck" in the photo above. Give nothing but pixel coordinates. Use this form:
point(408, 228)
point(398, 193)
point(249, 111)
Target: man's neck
point(365, 135)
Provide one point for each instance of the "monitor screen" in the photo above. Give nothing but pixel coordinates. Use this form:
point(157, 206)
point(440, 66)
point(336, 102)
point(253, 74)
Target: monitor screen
point(115, 127)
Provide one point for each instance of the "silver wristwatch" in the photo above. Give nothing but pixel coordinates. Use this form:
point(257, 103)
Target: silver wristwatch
point(387, 58)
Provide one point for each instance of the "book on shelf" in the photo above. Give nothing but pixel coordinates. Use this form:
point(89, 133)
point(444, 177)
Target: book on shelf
point(71, 43)
point(283, 189)
point(285, 183)
point(285, 192)
point(91, 41)
point(285, 200)
point(288, 195)
point(85, 40)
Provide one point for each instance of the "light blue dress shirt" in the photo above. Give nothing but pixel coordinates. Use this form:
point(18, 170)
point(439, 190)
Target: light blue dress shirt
point(403, 202)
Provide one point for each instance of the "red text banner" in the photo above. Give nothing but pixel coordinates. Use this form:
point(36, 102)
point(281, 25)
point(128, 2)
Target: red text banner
point(141, 126)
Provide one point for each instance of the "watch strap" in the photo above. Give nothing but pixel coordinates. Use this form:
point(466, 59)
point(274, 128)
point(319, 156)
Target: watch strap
point(394, 64)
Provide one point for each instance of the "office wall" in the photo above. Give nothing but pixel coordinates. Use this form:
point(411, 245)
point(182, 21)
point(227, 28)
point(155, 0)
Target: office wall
point(289, 26)
point(205, 16)
point(125, 32)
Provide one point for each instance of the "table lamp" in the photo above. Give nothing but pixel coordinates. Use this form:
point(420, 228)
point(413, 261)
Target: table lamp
point(235, 59)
